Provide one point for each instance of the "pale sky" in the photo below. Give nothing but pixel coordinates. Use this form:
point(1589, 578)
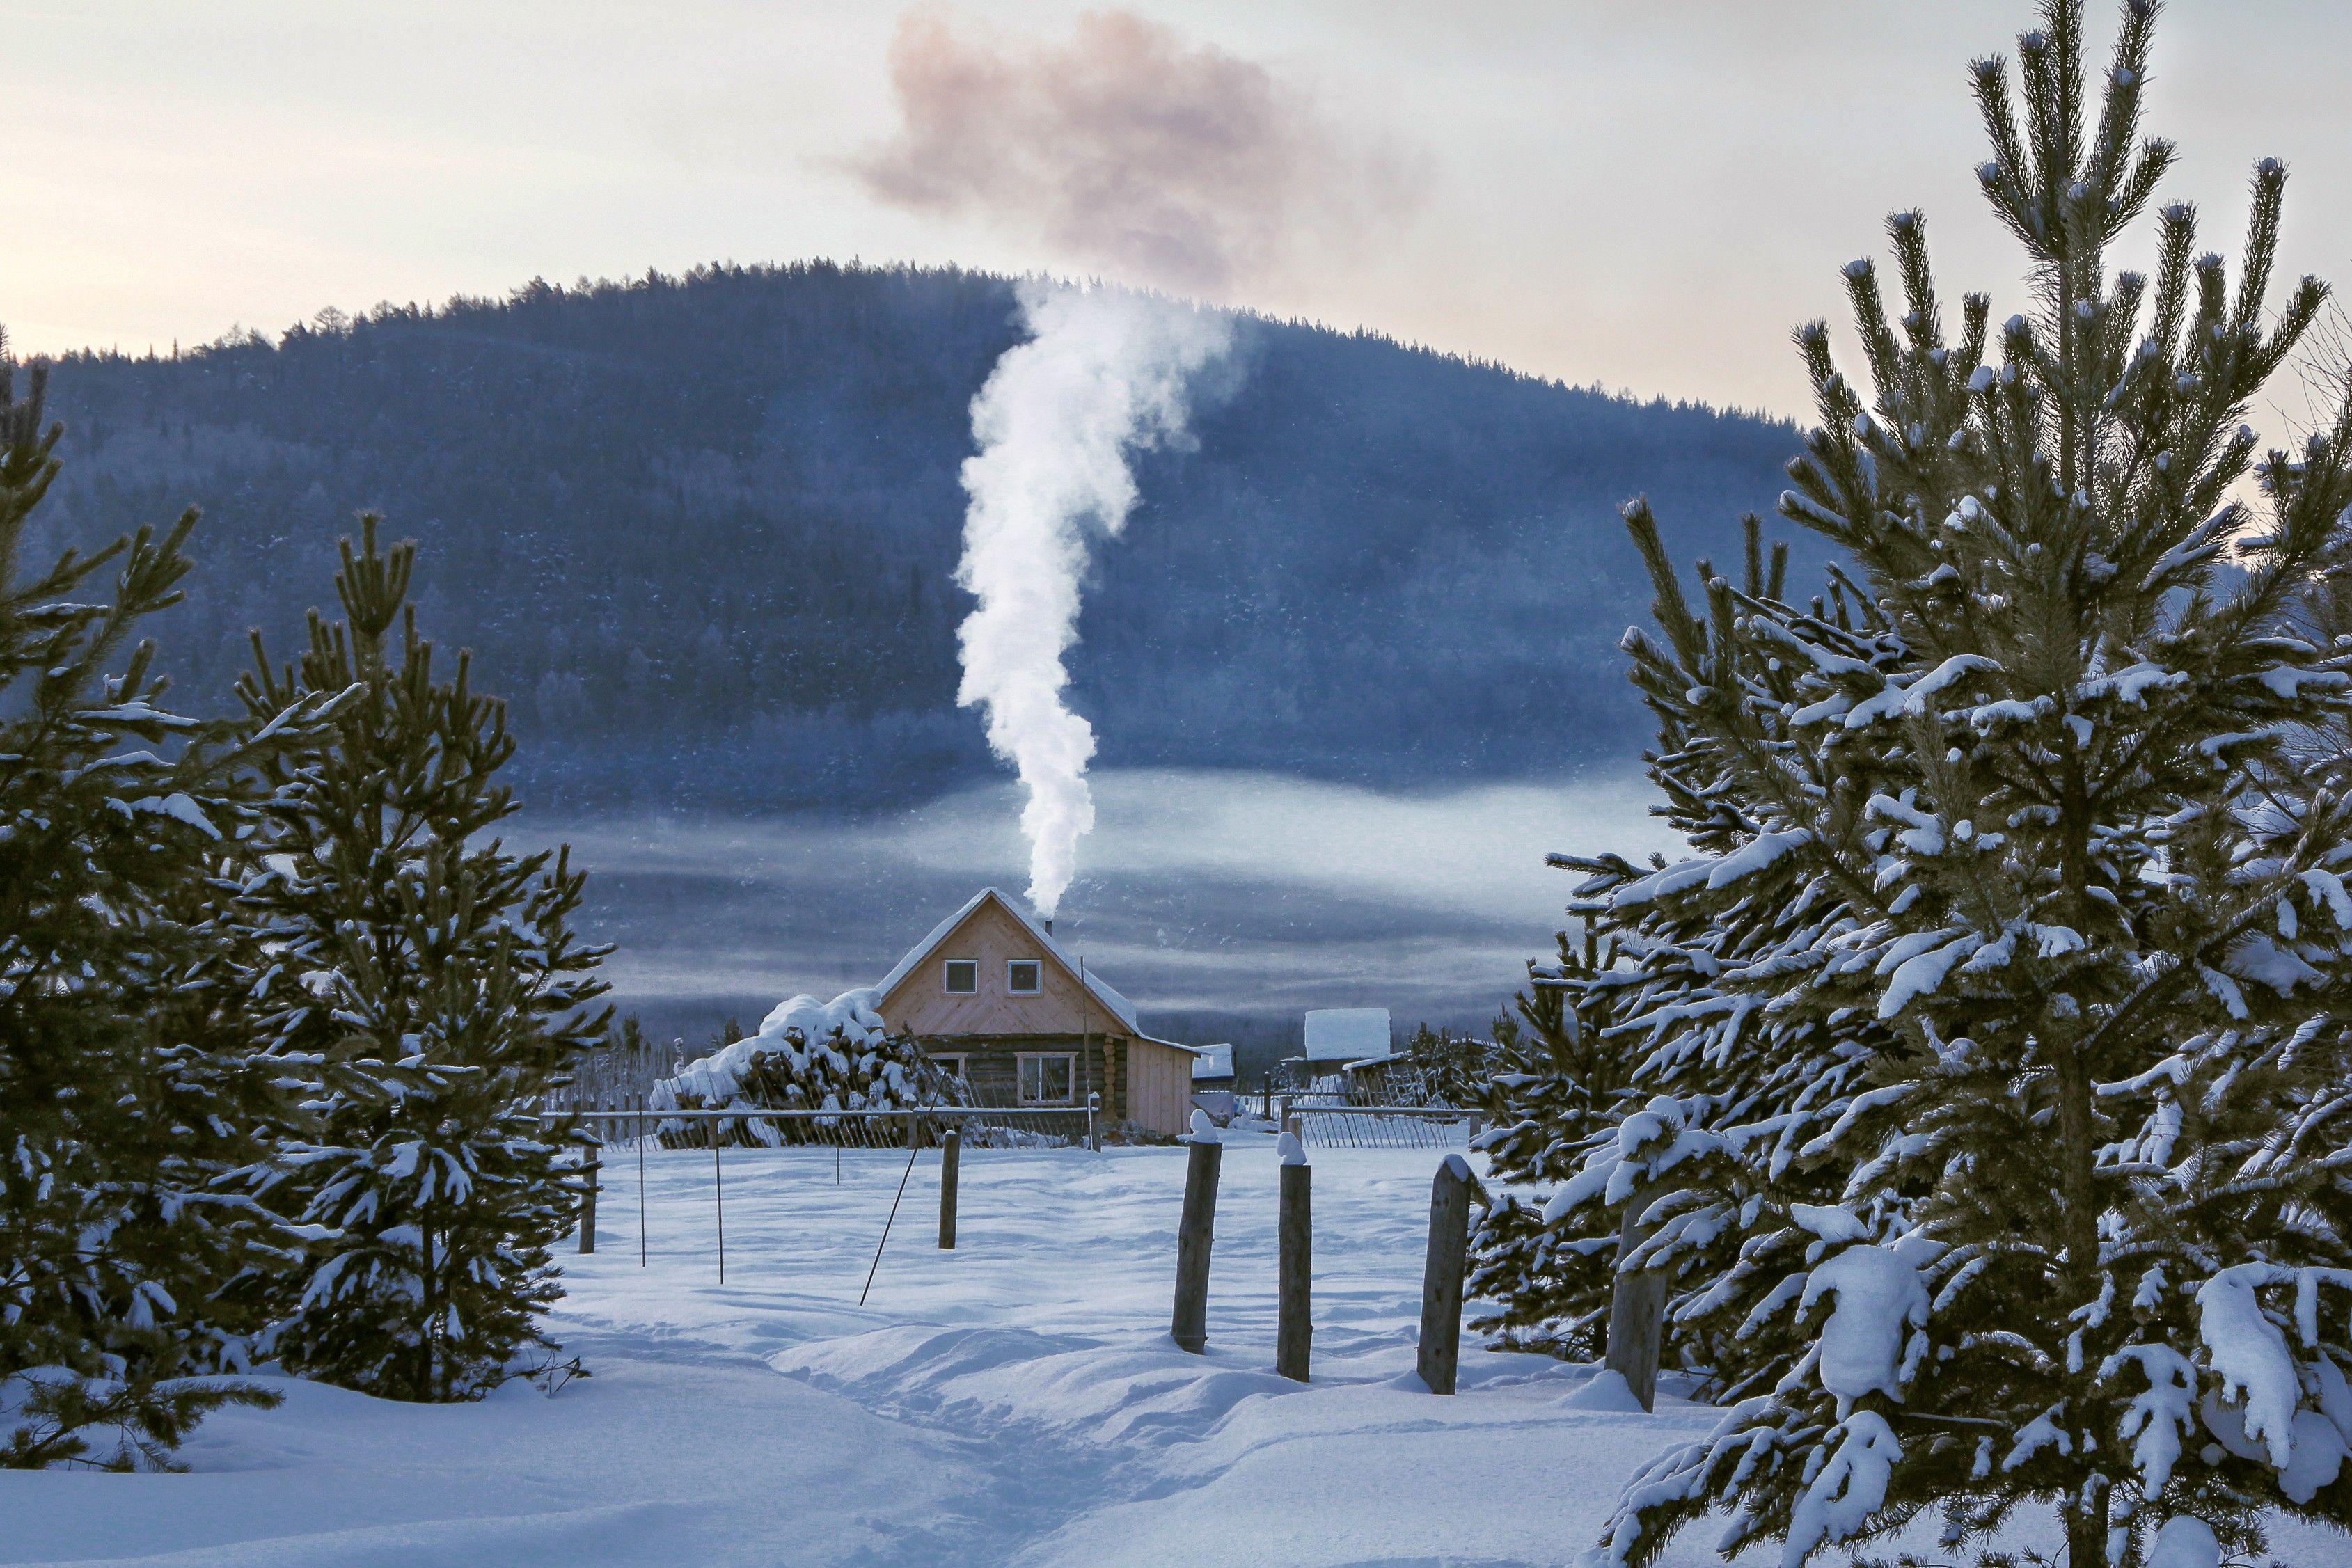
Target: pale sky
point(1646, 193)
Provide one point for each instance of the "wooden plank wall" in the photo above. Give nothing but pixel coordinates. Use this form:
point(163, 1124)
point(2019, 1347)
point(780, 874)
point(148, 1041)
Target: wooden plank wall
point(922, 1007)
point(1162, 1086)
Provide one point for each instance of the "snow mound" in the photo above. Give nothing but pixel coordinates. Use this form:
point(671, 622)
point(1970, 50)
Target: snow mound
point(2185, 1543)
point(1604, 1390)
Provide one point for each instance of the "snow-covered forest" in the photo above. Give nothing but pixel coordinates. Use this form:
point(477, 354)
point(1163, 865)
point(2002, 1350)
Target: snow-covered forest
point(692, 524)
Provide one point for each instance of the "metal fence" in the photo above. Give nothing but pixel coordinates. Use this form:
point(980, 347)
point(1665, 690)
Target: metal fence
point(621, 1131)
point(982, 1126)
point(1342, 1125)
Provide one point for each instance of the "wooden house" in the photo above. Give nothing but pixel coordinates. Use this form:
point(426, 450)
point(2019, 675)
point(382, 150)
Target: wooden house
point(991, 996)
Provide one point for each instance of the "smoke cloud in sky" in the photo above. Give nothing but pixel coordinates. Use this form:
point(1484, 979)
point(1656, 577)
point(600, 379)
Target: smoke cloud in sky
point(1105, 374)
point(1158, 164)
point(1126, 150)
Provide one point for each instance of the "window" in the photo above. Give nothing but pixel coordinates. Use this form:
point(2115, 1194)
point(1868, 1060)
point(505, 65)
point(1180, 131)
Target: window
point(955, 1063)
point(963, 977)
point(1024, 977)
point(1047, 1080)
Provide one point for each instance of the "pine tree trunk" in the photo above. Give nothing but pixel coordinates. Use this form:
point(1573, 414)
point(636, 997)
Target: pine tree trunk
point(2086, 1516)
point(427, 1363)
point(2086, 1531)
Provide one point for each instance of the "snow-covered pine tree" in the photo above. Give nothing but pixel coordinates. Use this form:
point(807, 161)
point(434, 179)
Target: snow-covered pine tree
point(1439, 1067)
point(1997, 1030)
point(1674, 1054)
point(130, 1081)
point(1561, 1080)
point(406, 945)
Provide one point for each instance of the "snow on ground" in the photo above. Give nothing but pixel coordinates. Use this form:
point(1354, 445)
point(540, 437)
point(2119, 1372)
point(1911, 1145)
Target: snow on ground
point(1016, 1401)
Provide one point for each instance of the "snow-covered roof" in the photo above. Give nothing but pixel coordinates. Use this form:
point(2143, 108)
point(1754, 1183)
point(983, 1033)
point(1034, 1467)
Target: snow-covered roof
point(1212, 1061)
point(1118, 1005)
point(1346, 1034)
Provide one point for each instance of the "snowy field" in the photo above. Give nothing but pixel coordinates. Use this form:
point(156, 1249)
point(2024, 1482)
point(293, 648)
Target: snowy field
point(1016, 1401)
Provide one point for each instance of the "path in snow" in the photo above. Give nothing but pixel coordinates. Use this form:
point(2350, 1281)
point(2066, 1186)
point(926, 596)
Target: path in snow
point(1016, 1401)
point(1038, 1351)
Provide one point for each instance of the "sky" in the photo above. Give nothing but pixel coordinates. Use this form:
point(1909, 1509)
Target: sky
point(1643, 195)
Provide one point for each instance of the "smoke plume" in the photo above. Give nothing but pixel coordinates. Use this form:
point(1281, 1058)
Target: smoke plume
point(1162, 164)
point(1105, 374)
point(1128, 151)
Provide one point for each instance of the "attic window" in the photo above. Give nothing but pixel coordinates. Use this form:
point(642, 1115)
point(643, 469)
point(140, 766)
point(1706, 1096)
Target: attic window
point(962, 977)
point(1024, 977)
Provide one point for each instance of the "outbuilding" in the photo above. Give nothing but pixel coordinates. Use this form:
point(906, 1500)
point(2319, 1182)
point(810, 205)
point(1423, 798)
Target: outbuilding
point(991, 996)
point(1339, 1037)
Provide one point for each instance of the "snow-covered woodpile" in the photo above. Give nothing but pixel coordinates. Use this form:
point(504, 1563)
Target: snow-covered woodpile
point(808, 1055)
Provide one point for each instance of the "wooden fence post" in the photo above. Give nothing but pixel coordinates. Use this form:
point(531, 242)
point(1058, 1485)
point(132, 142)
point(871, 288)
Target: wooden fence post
point(1194, 1232)
point(591, 1165)
point(1441, 1275)
point(1637, 1305)
point(951, 1152)
point(1294, 1327)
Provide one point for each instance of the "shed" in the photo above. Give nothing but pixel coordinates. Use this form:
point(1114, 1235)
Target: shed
point(1212, 1066)
point(1337, 1036)
point(992, 997)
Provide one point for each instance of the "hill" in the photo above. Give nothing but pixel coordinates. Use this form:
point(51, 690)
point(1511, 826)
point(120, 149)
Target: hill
point(701, 531)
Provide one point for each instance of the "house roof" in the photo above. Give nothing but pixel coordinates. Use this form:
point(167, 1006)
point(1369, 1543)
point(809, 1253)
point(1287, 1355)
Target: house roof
point(1346, 1034)
point(1117, 1005)
point(1212, 1061)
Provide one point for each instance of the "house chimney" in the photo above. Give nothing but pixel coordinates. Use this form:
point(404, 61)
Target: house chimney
point(1049, 925)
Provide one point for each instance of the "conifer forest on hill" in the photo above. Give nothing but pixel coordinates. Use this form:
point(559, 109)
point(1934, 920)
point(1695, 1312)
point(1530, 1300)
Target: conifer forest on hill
point(701, 532)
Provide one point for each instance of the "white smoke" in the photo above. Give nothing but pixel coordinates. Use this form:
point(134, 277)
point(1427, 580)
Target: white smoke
point(1105, 374)
point(1159, 161)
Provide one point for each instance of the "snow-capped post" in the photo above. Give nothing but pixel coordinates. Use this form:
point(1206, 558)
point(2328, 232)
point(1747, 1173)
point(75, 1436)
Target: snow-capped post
point(1094, 1123)
point(1294, 1328)
point(1441, 1275)
point(951, 1154)
point(1188, 1325)
point(1637, 1305)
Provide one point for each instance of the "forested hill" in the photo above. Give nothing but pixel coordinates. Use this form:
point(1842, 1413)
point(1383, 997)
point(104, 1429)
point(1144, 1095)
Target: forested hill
point(702, 532)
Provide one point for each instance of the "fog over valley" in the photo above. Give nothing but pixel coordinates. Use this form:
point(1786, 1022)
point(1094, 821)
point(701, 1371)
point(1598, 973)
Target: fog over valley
point(1216, 901)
